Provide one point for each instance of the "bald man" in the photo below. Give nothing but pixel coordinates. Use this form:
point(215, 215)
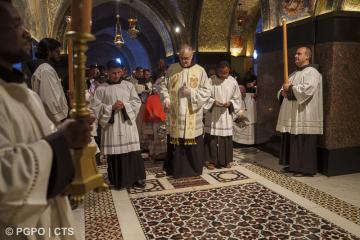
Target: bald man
point(301, 116)
point(184, 91)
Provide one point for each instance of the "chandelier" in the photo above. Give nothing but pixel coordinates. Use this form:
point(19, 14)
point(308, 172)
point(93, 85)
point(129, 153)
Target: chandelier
point(118, 40)
point(133, 32)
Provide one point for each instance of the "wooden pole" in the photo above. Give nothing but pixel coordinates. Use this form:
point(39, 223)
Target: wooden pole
point(69, 45)
point(285, 51)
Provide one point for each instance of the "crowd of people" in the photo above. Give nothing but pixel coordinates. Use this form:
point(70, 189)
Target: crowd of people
point(178, 114)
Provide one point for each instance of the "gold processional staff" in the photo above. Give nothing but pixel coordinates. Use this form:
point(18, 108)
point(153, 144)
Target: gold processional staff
point(86, 177)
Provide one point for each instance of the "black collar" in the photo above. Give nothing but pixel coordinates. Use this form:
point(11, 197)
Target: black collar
point(113, 83)
point(192, 64)
point(303, 67)
point(14, 76)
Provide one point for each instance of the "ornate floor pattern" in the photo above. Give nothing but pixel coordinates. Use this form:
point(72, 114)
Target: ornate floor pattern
point(101, 221)
point(227, 176)
point(246, 211)
point(153, 167)
point(325, 200)
point(154, 170)
point(152, 185)
point(187, 182)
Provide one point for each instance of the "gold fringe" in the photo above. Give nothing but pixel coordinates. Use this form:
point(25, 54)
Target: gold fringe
point(174, 141)
point(190, 141)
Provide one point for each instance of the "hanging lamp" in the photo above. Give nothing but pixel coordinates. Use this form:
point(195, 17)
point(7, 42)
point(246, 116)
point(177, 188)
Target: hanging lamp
point(118, 40)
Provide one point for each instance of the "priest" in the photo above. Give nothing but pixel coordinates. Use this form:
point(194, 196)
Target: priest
point(301, 116)
point(221, 111)
point(184, 91)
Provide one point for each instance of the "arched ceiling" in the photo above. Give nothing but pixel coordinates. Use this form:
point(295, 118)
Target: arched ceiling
point(148, 39)
point(134, 51)
point(147, 13)
point(109, 51)
point(37, 24)
point(205, 24)
point(157, 21)
point(214, 27)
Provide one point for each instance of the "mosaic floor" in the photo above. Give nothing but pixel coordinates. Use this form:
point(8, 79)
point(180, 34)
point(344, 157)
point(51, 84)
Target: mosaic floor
point(247, 201)
point(101, 221)
point(245, 211)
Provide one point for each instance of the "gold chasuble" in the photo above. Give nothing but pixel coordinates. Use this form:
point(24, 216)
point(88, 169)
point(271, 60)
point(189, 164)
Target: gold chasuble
point(186, 112)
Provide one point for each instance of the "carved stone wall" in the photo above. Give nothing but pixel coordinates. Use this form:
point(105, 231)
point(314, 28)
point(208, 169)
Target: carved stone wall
point(294, 10)
point(351, 5)
point(214, 28)
point(53, 8)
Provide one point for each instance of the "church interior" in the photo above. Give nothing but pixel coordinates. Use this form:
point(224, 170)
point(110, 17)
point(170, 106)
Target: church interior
point(252, 198)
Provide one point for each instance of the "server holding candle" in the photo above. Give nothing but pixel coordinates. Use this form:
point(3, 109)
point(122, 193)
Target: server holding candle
point(36, 162)
point(301, 114)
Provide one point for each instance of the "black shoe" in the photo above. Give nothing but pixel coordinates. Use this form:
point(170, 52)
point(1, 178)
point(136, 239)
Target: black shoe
point(285, 170)
point(140, 184)
point(117, 187)
point(160, 175)
point(303, 175)
point(74, 206)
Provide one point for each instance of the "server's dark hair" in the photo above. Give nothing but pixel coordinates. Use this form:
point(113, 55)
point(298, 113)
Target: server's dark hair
point(113, 64)
point(45, 46)
point(224, 64)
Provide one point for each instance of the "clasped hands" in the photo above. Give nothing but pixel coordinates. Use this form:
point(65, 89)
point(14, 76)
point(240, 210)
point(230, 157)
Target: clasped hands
point(184, 91)
point(118, 105)
point(219, 104)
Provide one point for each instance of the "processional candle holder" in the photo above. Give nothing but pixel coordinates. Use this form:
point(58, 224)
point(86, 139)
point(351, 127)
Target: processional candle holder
point(87, 177)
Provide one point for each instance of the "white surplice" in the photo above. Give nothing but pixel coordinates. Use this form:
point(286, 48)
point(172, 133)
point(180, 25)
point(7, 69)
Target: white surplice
point(121, 136)
point(244, 132)
point(25, 163)
point(140, 87)
point(305, 114)
point(47, 84)
point(219, 120)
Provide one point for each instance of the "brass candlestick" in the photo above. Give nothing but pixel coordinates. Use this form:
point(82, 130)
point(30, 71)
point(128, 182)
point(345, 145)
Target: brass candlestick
point(69, 47)
point(86, 177)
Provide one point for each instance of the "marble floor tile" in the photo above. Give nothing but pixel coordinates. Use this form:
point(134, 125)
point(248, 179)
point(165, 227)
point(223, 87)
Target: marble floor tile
point(250, 200)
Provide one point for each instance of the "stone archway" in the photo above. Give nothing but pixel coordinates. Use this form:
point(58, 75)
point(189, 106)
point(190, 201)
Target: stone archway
point(35, 17)
point(64, 6)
